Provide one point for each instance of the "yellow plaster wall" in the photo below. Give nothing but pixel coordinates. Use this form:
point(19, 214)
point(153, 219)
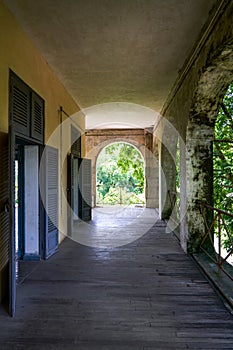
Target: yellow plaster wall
point(19, 54)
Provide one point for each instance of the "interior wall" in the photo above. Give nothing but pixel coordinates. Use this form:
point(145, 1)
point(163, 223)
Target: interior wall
point(20, 55)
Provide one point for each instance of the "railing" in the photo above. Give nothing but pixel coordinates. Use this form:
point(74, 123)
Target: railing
point(218, 220)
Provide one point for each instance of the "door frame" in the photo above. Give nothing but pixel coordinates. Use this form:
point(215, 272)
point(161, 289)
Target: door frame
point(12, 255)
point(21, 142)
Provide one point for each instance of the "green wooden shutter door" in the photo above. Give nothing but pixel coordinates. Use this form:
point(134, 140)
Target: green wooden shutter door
point(7, 227)
point(48, 179)
point(75, 142)
point(4, 218)
point(85, 189)
point(51, 201)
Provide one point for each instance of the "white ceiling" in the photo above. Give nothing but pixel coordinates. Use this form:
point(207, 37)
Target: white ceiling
point(120, 115)
point(115, 52)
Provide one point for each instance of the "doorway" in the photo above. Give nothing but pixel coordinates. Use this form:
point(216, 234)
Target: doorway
point(27, 208)
point(120, 176)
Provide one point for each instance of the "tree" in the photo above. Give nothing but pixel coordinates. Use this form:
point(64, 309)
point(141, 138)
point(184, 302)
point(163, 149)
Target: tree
point(222, 158)
point(120, 165)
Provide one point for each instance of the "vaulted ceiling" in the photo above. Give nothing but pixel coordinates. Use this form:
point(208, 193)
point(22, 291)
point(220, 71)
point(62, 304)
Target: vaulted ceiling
point(109, 51)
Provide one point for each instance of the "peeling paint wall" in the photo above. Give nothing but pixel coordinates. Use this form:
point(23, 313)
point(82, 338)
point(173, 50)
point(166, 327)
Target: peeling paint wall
point(192, 108)
point(20, 55)
point(200, 135)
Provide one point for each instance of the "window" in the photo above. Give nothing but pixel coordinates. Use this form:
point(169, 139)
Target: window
point(26, 110)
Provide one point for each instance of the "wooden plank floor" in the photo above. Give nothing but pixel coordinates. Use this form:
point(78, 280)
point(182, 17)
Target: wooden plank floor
point(147, 295)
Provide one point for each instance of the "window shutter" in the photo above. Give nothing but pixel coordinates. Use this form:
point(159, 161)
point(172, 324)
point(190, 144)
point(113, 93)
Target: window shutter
point(75, 142)
point(85, 192)
point(4, 214)
point(51, 244)
point(37, 117)
point(20, 106)
point(74, 186)
point(26, 110)
point(7, 229)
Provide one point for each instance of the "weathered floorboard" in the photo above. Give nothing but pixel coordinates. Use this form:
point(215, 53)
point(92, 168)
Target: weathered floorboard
point(147, 295)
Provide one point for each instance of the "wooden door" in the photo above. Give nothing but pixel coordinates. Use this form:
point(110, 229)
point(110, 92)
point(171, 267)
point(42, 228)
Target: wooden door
point(85, 189)
point(7, 225)
point(49, 196)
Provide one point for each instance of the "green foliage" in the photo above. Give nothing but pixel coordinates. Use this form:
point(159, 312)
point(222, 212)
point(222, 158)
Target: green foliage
point(223, 164)
point(120, 166)
point(118, 195)
point(111, 197)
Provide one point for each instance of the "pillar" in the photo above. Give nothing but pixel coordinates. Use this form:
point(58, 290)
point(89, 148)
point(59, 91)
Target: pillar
point(199, 176)
point(151, 171)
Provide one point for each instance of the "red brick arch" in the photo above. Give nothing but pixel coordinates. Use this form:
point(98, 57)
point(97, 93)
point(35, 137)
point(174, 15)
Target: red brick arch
point(98, 139)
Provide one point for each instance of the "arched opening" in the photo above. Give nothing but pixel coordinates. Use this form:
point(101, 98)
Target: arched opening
point(222, 153)
point(201, 214)
point(120, 175)
point(223, 172)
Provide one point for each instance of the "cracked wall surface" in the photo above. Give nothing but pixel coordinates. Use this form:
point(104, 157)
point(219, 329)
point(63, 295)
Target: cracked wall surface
point(192, 108)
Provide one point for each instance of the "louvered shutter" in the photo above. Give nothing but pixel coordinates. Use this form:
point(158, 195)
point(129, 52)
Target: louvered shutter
point(74, 187)
point(85, 193)
point(72, 191)
point(37, 117)
point(4, 217)
point(20, 106)
point(26, 110)
point(7, 227)
point(49, 194)
point(75, 142)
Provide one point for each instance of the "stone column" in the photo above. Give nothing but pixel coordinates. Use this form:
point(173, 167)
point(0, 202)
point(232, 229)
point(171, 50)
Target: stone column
point(199, 175)
point(168, 147)
point(151, 171)
point(183, 197)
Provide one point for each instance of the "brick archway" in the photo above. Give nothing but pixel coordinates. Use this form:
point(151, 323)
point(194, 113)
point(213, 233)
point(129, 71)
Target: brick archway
point(135, 147)
point(141, 139)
